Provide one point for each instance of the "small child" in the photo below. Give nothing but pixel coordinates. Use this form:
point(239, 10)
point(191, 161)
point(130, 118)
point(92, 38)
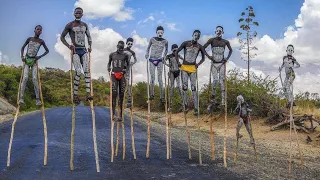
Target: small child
point(243, 110)
point(34, 44)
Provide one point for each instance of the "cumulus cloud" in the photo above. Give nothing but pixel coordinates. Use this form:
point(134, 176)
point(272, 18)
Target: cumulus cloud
point(3, 58)
point(303, 35)
point(116, 9)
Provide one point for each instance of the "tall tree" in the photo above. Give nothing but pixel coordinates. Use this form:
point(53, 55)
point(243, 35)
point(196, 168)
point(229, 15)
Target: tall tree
point(246, 36)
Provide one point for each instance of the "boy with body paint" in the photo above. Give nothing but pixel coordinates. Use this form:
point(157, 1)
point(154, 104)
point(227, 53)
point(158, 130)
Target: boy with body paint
point(218, 45)
point(120, 63)
point(189, 67)
point(158, 49)
point(130, 53)
point(174, 75)
point(243, 110)
point(30, 59)
point(289, 62)
point(78, 30)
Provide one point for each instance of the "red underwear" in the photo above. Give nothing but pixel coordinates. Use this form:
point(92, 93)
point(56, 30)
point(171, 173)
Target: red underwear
point(118, 75)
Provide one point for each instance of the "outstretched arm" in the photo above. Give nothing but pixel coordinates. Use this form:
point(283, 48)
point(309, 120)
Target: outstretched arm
point(63, 36)
point(230, 50)
point(148, 49)
point(45, 48)
point(24, 46)
point(89, 37)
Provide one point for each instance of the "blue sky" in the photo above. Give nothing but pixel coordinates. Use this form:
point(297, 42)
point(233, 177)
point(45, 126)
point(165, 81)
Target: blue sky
point(18, 18)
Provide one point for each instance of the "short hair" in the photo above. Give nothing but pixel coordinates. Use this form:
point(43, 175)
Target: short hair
point(37, 26)
point(78, 8)
point(219, 27)
point(130, 40)
point(290, 45)
point(121, 42)
point(174, 46)
point(198, 31)
point(160, 28)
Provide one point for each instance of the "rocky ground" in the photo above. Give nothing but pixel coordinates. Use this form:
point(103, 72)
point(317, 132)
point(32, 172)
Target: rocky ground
point(273, 147)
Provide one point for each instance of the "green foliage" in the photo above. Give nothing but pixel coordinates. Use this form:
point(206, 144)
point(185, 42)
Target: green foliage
point(55, 85)
point(259, 93)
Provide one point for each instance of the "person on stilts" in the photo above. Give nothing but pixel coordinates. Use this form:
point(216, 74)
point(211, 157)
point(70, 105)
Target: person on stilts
point(189, 67)
point(78, 30)
point(130, 53)
point(243, 110)
point(156, 52)
point(218, 62)
point(174, 76)
point(289, 62)
point(30, 59)
point(120, 64)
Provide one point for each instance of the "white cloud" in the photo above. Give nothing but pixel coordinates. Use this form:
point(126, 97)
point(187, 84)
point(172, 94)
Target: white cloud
point(116, 9)
point(143, 42)
point(104, 42)
point(4, 59)
point(150, 18)
point(304, 36)
point(172, 26)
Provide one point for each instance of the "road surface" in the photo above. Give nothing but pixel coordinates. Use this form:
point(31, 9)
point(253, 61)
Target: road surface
point(27, 151)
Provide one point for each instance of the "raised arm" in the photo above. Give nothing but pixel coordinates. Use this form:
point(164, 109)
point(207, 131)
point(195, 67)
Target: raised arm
point(45, 48)
point(148, 49)
point(230, 50)
point(22, 48)
point(63, 36)
point(89, 37)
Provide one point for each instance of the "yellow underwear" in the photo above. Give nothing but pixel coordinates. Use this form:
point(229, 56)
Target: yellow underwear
point(188, 68)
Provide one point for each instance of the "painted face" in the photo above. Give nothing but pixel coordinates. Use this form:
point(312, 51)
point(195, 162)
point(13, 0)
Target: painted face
point(160, 33)
point(290, 50)
point(196, 36)
point(219, 32)
point(78, 14)
point(240, 99)
point(129, 44)
point(38, 31)
point(174, 49)
point(120, 47)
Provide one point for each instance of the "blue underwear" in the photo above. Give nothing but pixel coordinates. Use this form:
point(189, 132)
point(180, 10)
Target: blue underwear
point(156, 61)
point(80, 51)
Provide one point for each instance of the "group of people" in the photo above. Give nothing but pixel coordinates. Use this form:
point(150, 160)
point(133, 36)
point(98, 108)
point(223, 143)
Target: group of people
point(120, 66)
